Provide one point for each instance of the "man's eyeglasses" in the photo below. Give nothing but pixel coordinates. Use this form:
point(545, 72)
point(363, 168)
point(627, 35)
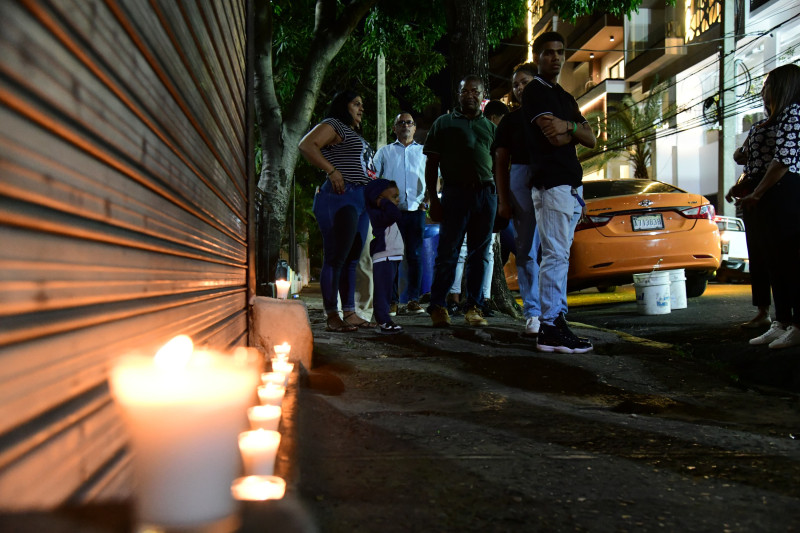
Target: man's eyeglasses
point(404, 123)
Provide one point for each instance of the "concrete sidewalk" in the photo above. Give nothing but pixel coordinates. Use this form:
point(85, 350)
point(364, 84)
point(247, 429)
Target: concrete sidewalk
point(467, 429)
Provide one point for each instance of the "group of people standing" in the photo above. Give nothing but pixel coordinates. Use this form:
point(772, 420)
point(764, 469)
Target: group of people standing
point(770, 203)
point(526, 169)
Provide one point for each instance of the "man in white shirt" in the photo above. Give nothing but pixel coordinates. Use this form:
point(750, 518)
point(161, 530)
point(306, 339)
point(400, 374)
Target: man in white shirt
point(404, 163)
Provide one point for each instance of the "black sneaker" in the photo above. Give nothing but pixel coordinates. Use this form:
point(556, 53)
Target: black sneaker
point(454, 309)
point(561, 322)
point(560, 339)
point(485, 311)
point(389, 328)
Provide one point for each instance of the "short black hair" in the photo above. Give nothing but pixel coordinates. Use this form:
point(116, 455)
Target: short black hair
point(495, 108)
point(546, 37)
point(338, 108)
point(472, 77)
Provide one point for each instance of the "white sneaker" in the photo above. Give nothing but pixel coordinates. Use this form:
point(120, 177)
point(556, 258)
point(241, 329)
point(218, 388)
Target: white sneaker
point(788, 339)
point(775, 331)
point(532, 326)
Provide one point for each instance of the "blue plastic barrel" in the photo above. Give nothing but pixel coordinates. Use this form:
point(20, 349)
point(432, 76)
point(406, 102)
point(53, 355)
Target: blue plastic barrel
point(430, 241)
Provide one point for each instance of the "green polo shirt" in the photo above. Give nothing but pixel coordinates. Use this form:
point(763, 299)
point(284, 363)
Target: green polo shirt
point(464, 148)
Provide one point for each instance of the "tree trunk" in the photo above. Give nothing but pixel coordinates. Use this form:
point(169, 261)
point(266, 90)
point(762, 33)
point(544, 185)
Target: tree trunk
point(281, 132)
point(502, 298)
point(469, 51)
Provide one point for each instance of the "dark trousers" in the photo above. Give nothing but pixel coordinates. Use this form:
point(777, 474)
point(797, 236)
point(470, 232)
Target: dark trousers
point(779, 224)
point(470, 211)
point(757, 252)
point(383, 275)
point(412, 228)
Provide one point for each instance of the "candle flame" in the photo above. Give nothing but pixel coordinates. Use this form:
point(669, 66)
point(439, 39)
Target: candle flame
point(175, 354)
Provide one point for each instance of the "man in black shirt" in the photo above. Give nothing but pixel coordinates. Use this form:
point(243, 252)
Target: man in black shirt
point(554, 126)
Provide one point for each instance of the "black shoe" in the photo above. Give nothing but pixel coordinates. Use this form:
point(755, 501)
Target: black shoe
point(485, 311)
point(389, 328)
point(454, 309)
point(561, 322)
point(560, 339)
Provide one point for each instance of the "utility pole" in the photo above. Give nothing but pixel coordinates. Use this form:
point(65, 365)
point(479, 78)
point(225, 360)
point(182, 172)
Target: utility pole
point(381, 101)
point(727, 104)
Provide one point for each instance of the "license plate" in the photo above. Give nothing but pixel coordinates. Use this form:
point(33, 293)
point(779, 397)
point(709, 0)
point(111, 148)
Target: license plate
point(647, 222)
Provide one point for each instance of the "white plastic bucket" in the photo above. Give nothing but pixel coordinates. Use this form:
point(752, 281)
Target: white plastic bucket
point(677, 288)
point(652, 293)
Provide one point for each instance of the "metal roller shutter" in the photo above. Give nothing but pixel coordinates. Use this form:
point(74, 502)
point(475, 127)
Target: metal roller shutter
point(124, 218)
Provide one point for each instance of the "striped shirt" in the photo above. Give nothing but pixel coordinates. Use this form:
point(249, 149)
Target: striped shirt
point(353, 157)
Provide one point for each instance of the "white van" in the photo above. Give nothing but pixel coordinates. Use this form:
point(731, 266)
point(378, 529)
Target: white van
point(735, 263)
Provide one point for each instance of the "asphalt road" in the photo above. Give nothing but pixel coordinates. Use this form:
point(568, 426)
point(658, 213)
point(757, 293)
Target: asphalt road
point(470, 429)
point(707, 330)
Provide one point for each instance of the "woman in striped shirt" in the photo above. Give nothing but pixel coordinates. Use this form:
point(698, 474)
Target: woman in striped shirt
point(336, 146)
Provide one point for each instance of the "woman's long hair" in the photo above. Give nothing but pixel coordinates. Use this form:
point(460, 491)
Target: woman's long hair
point(338, 108)
point(783, 86)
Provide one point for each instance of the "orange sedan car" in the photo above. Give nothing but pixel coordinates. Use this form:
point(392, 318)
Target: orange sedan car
point(631, 226)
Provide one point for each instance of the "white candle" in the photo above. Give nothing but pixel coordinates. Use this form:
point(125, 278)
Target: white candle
point(259, 449)
point(271, 394)
point(183, 410)
point(282, 351)
point(283, 367)
point(276, 378)
point(264, 417)
point(258, 488)
point(283, 288)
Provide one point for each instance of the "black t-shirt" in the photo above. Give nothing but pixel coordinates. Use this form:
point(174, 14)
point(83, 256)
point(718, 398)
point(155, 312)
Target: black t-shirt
point(511, 136)
point(550, 165)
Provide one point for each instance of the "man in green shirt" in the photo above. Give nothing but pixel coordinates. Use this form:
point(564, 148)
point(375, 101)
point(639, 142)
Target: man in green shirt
point(459, 145)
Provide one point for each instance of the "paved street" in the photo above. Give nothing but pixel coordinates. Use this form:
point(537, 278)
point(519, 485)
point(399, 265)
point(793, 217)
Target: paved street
point(468, 429)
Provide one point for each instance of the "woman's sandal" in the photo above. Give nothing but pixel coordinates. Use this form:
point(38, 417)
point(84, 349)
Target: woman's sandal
point(337, 325)
point(361, 322)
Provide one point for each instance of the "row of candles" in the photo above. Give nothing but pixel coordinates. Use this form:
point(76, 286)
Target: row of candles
point(183, 409)
point(259, 446)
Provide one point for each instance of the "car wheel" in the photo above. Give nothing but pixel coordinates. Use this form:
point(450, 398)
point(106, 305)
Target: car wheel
point(606, 288)
point(696, 284)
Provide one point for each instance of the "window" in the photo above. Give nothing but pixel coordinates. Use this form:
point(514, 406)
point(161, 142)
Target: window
point(617, 70)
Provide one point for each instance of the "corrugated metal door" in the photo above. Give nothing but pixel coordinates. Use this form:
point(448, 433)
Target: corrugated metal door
point(123, 218)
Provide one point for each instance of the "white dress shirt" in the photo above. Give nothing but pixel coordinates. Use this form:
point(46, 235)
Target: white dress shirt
point(405, 165)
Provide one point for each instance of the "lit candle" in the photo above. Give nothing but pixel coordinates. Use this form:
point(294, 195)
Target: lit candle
point(276, 378)
point(283, 367)
point(264, 417)
point(258, 488)
point(259, 449)
point(271, 394)
point(283, 288)
point(183, 410)
point(282, 351)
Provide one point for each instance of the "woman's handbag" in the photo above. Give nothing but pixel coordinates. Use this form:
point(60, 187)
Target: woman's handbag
point(744, 186)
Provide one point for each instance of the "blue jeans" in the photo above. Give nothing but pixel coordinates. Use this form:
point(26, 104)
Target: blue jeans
point(343, 222)
point(467, 211)
point(557, 213)
point(383, 275)
point(526, 240)
point(412, 228)
point(486, 286)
